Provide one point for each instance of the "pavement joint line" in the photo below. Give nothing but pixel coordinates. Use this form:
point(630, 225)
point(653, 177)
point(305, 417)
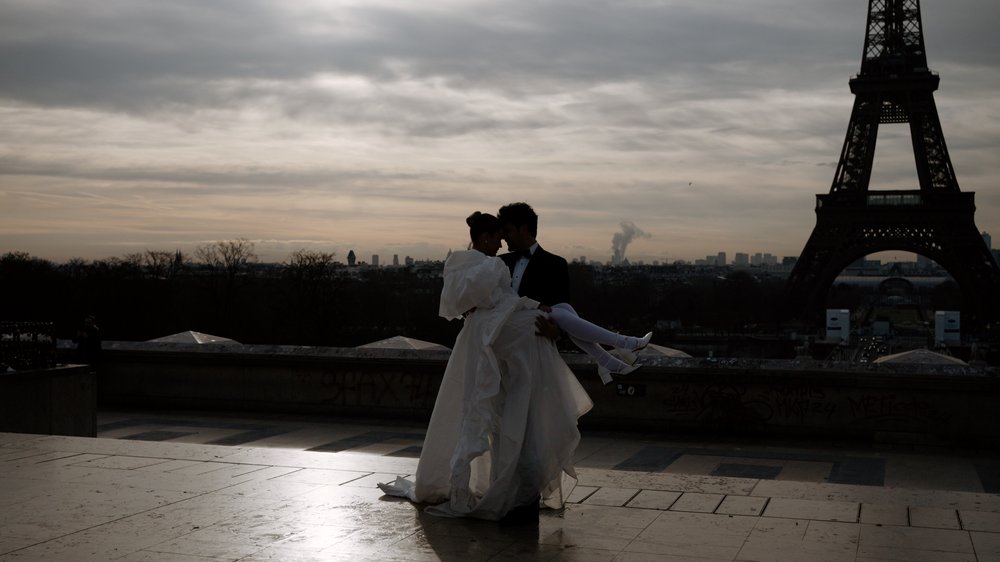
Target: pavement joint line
point(632, 497)
point(136, 514)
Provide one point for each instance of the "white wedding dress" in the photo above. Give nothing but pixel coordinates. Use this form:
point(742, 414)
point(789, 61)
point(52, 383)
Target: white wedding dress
point(504, 427)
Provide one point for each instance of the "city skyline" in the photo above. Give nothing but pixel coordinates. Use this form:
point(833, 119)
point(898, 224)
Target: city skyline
point(377, 127)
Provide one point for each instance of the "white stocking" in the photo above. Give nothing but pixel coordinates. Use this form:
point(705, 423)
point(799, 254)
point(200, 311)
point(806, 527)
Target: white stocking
point(587, 335)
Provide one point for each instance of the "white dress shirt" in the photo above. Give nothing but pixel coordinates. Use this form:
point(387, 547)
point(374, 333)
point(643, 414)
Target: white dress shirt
point(519, 267)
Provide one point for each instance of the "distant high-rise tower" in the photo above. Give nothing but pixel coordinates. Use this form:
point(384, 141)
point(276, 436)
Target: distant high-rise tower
point(351, 258)
point(374, 260)
point(720, 259)
point(395, 260)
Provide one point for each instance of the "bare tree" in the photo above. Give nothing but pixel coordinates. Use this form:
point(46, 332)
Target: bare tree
point(309, 265)
point(76, 268)
point(163, 265)
point(22, 261)
point(133, 262)
point(231, 256)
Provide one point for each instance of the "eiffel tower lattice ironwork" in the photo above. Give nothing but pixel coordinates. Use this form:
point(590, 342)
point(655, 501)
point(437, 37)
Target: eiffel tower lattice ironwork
point(936, 221)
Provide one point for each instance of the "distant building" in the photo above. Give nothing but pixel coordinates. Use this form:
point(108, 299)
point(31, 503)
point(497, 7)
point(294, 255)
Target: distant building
point(374, 260)
point(720, 259)
point(768, 259)
point(741, 259)
point(395, 260)
point(757, 259)
point(789, 260)
point(352, 260)
point(947, 327)
point(838, 324)
point(408, 261)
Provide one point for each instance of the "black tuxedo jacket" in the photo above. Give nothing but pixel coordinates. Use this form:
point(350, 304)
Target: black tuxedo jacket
point(546, 279)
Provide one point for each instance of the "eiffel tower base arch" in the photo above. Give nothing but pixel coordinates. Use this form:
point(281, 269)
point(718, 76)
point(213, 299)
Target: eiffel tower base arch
point(939, 226)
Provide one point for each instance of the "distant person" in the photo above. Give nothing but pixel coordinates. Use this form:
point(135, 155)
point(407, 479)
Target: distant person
point(88, 342)
point(544, 276)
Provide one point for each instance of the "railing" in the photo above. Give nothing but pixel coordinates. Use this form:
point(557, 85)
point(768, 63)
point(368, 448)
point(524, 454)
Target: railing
point(894, 199)
point(932, 201)
point(27, 345)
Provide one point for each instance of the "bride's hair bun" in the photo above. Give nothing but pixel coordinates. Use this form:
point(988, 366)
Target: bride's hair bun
point(480, 223)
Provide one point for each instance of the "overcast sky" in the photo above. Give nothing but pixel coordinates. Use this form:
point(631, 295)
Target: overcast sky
point(378, 125)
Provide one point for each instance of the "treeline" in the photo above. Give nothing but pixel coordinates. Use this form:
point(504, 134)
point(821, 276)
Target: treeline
point(311, 299)
point(223, 290)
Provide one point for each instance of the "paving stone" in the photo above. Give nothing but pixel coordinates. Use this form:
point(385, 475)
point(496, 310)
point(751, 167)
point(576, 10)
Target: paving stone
point(611, 496)
point(696, 535)
point(833, 532)
point(698, 503)
point(758, 550)
point(780, 529)
point(742, 505)
point(918, 539)
point(581, 493)
point(986, 544)
point(903, 554)
point(988, 521)
point(812, 509)
point(654, 499)
point(119, 462)
point(934, 517)
point(884, 514)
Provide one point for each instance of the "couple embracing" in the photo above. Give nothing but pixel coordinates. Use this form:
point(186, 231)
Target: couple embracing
point(504, 428)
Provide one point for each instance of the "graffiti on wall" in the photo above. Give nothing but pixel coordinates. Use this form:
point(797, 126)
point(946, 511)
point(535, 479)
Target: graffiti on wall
point(385, 389)
point(798, 404)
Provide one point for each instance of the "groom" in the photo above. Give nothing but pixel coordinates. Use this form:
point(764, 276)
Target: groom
point(534, 273)
point(538, 275)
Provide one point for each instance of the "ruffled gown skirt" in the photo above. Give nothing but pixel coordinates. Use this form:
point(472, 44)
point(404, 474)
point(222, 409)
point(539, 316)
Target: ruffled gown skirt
point(504, 426)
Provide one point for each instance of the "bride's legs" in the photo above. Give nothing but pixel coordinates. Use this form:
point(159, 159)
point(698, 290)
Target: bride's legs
point(601, 355)
point(580, 331)
point(567, 318)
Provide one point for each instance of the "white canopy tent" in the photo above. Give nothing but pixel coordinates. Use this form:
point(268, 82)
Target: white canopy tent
point(193, 337)
point(920, 357)
point(403, 342)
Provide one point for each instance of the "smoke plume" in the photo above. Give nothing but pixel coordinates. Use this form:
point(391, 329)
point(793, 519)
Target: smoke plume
point(621, 240)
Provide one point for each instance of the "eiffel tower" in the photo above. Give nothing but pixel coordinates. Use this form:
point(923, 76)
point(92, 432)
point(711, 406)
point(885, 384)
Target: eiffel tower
point(936, 221)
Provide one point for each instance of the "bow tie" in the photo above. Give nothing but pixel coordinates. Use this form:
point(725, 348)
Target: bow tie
point(523, 254)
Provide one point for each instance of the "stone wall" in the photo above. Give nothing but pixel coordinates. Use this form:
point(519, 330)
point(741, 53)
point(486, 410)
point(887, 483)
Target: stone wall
point(55, 401)
point(905, 403)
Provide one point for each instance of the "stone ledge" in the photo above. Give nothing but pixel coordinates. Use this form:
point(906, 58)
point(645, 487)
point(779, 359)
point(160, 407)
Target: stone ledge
point(897, 403)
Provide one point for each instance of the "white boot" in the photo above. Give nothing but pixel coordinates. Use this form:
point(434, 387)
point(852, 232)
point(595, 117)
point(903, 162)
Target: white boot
point(605, 373)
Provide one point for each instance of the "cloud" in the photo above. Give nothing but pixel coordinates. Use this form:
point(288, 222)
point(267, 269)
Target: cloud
point(711, 124)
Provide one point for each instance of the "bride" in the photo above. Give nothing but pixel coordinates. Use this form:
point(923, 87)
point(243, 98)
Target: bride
point(503, 430)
